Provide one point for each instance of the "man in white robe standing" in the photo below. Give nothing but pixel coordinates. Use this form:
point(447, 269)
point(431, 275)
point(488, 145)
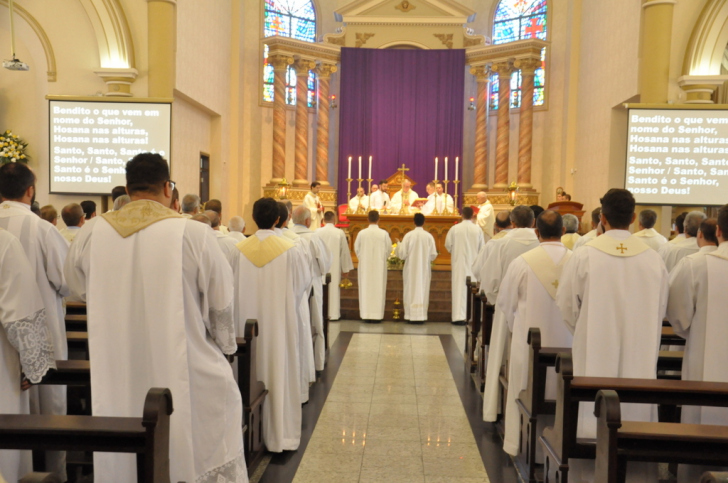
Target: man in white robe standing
point(236, 225)
point(679, 227)
point(592, 234)
point(169, 324)
point(312, 201)
point(321, 257)
point(502, 252)
point(46, 251)
point(403, 199)
point(672, 253)
point(613, 297)
point(270, 278)
point(190, 205)
point(647, 232)
point(26, 350)
point(379, 197)
point(418, 250)
point(444, 204)
point(341, 263)
point(464, 242)
point(359, 204)
point(74, 218)
point(227, 243)
point(696, 310)
point(527, 299)
point(429, 207)
point(372, 248)
point(486, 215)
point(571, 227)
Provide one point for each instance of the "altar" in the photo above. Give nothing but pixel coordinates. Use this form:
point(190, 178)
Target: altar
point(398, 225)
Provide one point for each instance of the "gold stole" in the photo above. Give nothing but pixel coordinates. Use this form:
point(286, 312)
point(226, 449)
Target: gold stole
point(627, 248)
point(262, 253)
point(546, 271)
point(137, 215)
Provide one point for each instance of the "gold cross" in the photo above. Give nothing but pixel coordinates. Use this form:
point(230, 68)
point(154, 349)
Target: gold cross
point(621, 247)
point(555, 283)
point(403, 169)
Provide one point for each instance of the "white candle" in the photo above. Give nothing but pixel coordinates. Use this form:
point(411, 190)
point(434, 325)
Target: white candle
point(359, 167)
point(370, 167)
point(456, 167)
point(349, 177)
point(435, 169)
point(446, 167)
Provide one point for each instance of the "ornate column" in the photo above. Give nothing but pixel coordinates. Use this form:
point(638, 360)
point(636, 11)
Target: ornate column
point(301, 147)
point(656, 39)
point(162, 51)
point(525, 126)
point(502, 146)
point(280, 63)
point(700, 89)
point(323, 74)
point(480, 178)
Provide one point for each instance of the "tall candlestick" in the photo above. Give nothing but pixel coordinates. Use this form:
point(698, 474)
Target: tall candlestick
point(435, 169)
point(359, 166)
point(370, 166)
point(349, 176)
point(457, 158)
point(446, 167)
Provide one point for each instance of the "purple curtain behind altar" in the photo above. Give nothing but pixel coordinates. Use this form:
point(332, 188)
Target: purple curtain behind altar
point(400, 106)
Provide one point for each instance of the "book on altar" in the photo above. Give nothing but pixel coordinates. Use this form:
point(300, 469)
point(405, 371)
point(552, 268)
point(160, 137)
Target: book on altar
point(419, 203)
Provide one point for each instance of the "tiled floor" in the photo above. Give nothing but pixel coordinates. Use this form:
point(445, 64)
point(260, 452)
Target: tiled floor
point(393, 414)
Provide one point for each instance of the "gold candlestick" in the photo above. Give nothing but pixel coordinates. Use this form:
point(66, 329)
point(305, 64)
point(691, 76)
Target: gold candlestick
point(455, 206)
point(359, 180)
point(444, 208)
point(348, 195)
point(369, 206)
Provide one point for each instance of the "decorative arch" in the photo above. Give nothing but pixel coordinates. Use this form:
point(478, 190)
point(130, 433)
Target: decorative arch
point(708, 40)
point(113, 35)
point(42, 36)
point(404, 44)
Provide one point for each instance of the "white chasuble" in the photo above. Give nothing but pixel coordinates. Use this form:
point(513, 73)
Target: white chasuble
point(672, 253)
point(359, 204)
point(586, 238)
point(160, 314)
point(312, 201)
point(25, 343)
point(486, 219)
point(527, 299)
point(397, 205)
point(569, 239)
point(271, 275)
point(418, 250)
point(372, 248)
point(227, 245)
point(651, 237)
point(379, 200)
point(502, 252)
point(464, 242)
point(335, 240)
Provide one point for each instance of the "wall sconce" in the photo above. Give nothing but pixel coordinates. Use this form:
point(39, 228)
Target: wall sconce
point(283, 189)
point(333, 103)
point(471, 107)
point(512, 193)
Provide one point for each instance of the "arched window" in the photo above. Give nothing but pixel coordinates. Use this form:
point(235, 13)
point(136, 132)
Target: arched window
point(520, 20)
point(295, 19)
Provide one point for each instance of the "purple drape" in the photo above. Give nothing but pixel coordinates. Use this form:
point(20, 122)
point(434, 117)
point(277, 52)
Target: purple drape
point(400, 106)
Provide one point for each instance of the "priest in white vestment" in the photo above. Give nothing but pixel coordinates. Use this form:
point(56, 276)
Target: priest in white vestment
point(270, 277)
point(696, 310)
point(501, 228)
point(312, 201)
point(672, 253)
point(227, 243)
point(236, 225)
point(592, 234)
point(429, 207)
point(444, 204)
point(216, 206)
point(359, 204)
point(379, 198)
point(372, 248)
point(418, 250)
point(680, 228)
point(341, 263)
point(25, 344)
point(518, 241)
point(169, 324)
point(321, 257)
point(527, 299)
point(463, 241)
point(486, 215)
point(613, 297)
point(403, 199)
point(190, 205)
point(74, 218)
point(647, 233)
point(46, 251)
point(571, 227)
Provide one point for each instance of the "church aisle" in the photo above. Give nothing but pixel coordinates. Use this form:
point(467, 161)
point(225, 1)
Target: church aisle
point(393, 414)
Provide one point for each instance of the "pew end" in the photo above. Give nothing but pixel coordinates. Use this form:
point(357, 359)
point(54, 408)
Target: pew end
point(253, 393)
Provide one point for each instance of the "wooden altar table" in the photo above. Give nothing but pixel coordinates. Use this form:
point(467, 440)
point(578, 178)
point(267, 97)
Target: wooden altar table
point(398, 225)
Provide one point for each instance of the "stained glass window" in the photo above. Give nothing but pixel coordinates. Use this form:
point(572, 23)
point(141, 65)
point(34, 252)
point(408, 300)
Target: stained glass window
point(520, 20)
point(295, 19)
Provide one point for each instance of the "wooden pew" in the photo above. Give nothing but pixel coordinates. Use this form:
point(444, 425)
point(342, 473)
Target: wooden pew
point(669, 337)
point(469, 356)
point(76, 323)
point(619, 442)
point(326, 288)
point(474, 327)
point(714, 477)
point(75, 308)
point(147, 436)
point(486, 327)
point(469, 299)
point(560, 442)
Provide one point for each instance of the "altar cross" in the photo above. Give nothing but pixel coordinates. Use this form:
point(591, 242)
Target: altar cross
point(402, 170)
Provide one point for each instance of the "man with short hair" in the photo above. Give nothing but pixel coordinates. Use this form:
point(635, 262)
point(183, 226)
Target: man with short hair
point(172, 326)
point(613, 296)
point(49, 214)
point(463, 241)
point(379, 199)
point(312, 201)
point(403, 199)
point(236, 225)
point(592, 234)
point(696, 309)
point(121, 201)
point(537, 210)
point(359, 204)
point(202, 218)
point(527, 299)
point(117, 191)
point(46, 250)
point(268, 264)
point(227, 244)
point(647, 232)
point(444, 203)
point(672, 253)
point(502, 225)
point(74, 218)
point(418, 250)
point(285, 215)
point(571, 227)
point(216, 206)
point(429, 207)
point(190, 205)
point(89, 208)
point(679, 227)
point(341, 263)
point(486, 215)
point(372, 248)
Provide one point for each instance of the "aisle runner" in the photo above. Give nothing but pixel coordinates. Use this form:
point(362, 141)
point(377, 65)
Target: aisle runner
point(394, 415)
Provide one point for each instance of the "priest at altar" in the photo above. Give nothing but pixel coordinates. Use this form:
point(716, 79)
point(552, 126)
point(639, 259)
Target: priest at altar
point(360, 202)
point(379, 198)
point(403, 199)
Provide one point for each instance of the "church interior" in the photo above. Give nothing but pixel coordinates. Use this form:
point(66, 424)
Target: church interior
point(266, 97)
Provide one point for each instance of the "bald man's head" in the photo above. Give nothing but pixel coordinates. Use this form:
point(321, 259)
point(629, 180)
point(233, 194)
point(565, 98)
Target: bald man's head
point(481, 197)
point(549, 226)
point(214, 219)
point(502, 221)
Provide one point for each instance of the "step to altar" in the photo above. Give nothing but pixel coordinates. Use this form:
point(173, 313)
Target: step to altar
point(440, 297)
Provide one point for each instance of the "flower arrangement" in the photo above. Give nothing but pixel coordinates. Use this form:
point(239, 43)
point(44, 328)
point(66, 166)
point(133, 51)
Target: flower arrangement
point(394, 262)
point(12, 148)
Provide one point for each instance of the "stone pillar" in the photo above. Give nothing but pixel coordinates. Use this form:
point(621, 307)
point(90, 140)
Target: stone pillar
point(300, 170)
point(700, 89)
point(162, 51)
point(656, 39)
point(480, 178)
point(280, 63)
point(323, 75)
point(502, 146)
point(525, 127)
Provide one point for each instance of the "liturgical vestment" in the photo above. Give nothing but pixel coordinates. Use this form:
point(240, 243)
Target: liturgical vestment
point(372, 248)
point(463, 241)
point(335, 240)
point(651, 238)
point(160, 314)
point(672, 253)
point(418, 250)
point(396, 206)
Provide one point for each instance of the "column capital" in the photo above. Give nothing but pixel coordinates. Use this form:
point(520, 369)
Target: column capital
point(503, 68)
point(302, 66)
point(527, 66)
point(481, 72)
point(118, 81)
point(280, 61)
point(324, 71)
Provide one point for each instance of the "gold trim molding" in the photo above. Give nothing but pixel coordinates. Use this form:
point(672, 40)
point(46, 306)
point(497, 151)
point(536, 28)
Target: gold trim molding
point(446, 39)
point(361, 38)
point(405, 6)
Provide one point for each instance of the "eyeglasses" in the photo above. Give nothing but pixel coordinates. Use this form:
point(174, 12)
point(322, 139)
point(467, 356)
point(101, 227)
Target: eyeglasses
point(172, 184)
